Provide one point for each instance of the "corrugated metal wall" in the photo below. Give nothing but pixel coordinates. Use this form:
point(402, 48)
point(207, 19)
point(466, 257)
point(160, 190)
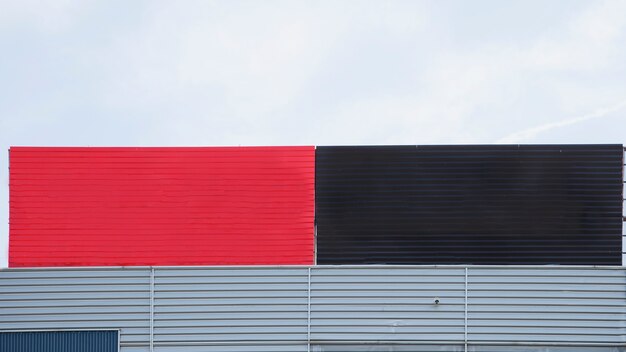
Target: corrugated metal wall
point(325, 308)
point(546, 305)
point(161, 206)
point(496, 204)
point(222, 309)
point(78, 299)
point(59, 341)
point(393, 304)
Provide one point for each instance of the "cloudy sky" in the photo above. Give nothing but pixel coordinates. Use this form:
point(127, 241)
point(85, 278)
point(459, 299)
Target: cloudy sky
point(187, 73)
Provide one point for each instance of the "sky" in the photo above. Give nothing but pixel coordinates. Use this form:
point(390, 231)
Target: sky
point(206, 73)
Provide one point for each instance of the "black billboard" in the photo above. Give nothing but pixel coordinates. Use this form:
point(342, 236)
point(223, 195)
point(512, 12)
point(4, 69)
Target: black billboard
point(483, 204)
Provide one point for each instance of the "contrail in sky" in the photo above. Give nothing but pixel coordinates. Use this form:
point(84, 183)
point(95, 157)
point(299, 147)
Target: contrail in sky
point(530, 133)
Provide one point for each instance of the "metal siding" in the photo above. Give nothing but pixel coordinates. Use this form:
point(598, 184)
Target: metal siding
point(361, 304)
point(497, 204)
point(238, 309)
point(355, 308)
point(161, 206)
point(389, 348)
point(59, 341)
point(550, 305)
point(77, 299)
point(544, 349)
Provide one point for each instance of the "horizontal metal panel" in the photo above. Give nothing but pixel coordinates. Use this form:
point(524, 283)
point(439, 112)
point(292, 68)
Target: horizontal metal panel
point(213, 302)
point(161, 206)
point(444, 348)
point(527, 307)
point(128, 348)
point(76, 299)
point(231, 335)
point(545, 348)
point(249, 273)
point(85, 275)
point(249, 295)
point(185, 307)
point(413, 287)
point(387, 348)
point(360, 307)
point(496, 204)
point(206, 319)
point(241, 347)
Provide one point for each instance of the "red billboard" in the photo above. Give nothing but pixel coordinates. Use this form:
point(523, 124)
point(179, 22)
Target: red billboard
point(88, 206)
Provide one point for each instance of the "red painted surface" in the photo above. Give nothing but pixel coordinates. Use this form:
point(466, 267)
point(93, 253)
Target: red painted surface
point(161, 206)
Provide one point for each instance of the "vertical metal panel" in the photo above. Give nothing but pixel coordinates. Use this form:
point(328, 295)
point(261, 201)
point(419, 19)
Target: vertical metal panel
point(59, 341)
point(161, 206)
point(547, 305)
point(77, 299)
point(236, 309)
point(497, 204)
point(394, 304)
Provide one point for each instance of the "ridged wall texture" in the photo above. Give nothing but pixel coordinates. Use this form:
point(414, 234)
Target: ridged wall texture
point(498, 204)
point(545, 305)
point(326, 308)
point(59, 341)
point(161, 206)
point(221, 309)
point(77, 299)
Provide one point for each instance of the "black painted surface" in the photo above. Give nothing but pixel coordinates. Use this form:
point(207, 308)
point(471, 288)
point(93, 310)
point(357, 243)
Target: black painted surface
point(501, 204)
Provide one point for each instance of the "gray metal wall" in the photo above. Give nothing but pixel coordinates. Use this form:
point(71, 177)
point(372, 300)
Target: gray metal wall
point(230, 309)
point(77, 299)
point(341, 308)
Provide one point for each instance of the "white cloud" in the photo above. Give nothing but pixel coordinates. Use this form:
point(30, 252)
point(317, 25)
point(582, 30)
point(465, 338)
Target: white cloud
point(488, 86)
point(40, 15)
point(258, 60)
point(588, 42)
point(219, 65)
